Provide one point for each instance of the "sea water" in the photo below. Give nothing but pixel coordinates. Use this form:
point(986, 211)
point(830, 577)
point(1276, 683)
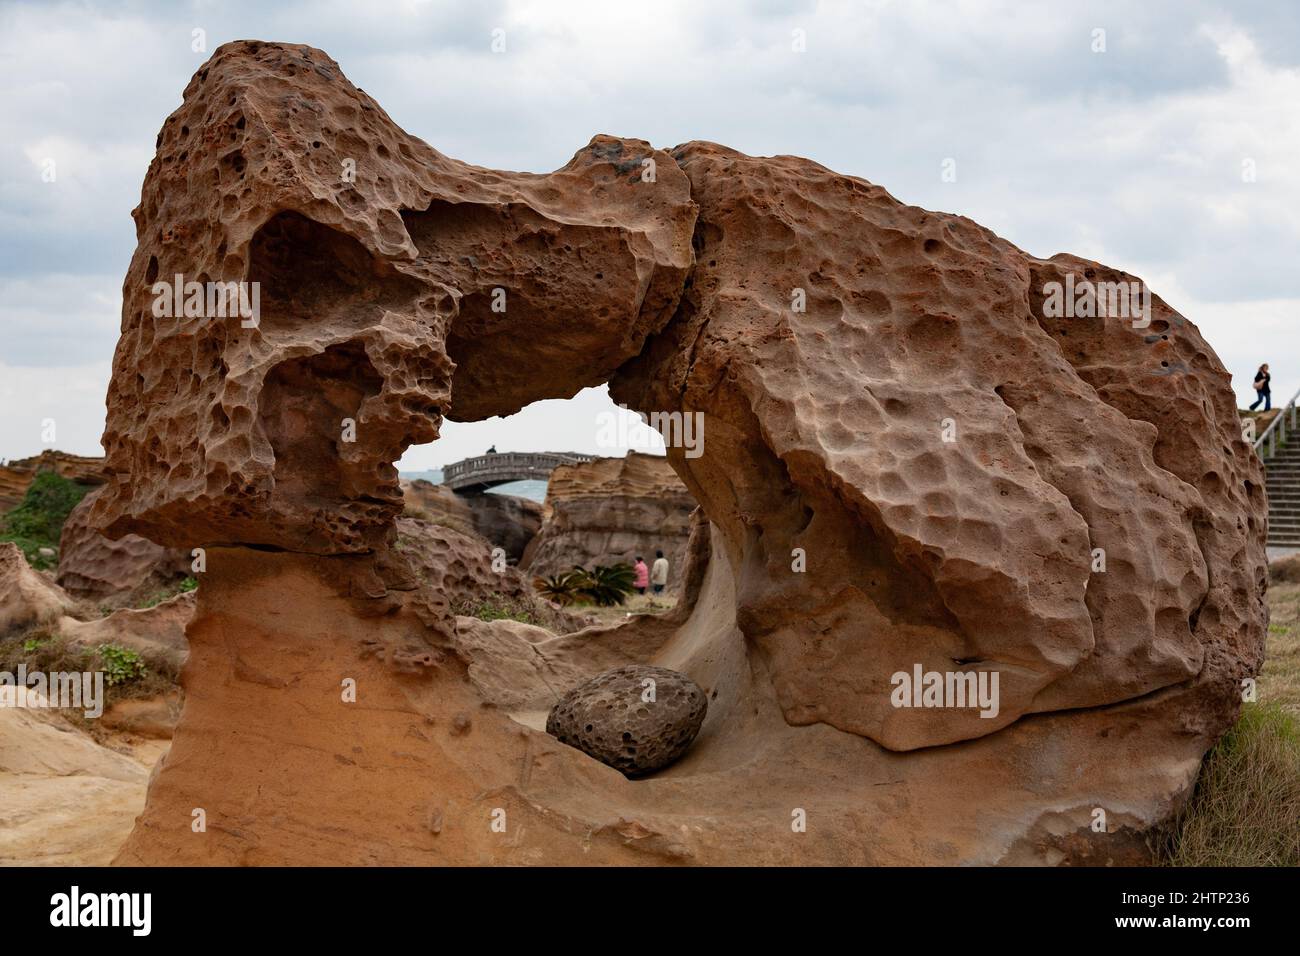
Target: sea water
point(532, 490)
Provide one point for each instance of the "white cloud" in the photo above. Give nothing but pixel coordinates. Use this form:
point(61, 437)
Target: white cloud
point(576, 424)
point(69, 396)
point(1133, 156)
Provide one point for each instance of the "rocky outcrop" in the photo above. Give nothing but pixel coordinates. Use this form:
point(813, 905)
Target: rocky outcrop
point(27, 598)
point(65, 800)
point(912, 470)
point(16, 475)
point(157, 633)
point(610, 510)
point(507, 521)
point(461, 577)
point(999, 490)
point(95, 567)
point(636, 718)
point(377, 260)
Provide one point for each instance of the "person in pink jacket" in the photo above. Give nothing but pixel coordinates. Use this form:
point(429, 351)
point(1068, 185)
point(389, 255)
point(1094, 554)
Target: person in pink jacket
point(642, 579)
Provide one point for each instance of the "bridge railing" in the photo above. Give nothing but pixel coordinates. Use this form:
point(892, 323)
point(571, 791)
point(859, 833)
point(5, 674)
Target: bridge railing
point(499, 465)
point(1266, 444)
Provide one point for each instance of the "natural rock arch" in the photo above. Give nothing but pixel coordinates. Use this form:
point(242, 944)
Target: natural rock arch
point(834, 341)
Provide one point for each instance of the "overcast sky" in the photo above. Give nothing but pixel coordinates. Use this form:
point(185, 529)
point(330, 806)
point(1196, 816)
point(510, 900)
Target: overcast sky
point(1133, 156)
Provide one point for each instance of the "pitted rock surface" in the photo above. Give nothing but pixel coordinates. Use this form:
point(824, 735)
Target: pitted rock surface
point(609, 718)
point(946, 454)
point(93, 566)
point(378, 262)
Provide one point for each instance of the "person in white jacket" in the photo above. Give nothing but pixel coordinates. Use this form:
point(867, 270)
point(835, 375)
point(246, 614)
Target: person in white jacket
point(659, 573)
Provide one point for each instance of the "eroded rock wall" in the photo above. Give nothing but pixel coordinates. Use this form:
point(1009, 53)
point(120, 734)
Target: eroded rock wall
point(907, 464)
point(948, 461)
point(508, 521)
point(94, 567)
point(611, 510)
point(377, 259)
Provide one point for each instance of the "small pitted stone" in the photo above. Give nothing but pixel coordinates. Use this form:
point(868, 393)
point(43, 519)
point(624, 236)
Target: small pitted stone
point(629, 723)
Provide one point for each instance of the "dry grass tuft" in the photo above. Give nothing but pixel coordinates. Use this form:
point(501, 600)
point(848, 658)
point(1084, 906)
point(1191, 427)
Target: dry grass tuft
point(1246, 807)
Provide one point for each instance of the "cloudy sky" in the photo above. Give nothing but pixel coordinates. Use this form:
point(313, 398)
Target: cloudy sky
point(1174, 154)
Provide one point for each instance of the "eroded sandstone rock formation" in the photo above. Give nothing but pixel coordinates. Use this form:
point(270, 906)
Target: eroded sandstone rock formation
point(27, 599)
point(17, 475)
point(610, 510)
point(65, 800)
point(458, 572)
point(508, 521)
point(157, 633)
point(919, 468)
point(94, 567)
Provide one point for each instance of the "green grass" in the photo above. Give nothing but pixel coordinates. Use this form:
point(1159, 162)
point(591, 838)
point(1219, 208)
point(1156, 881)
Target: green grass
point(37, 521)
point(497, 607)
point(165, 594)
point(128, 675)
point(1245, 810)
point(1246, 806)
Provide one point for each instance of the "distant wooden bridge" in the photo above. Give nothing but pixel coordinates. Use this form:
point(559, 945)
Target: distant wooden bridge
point(473, 476)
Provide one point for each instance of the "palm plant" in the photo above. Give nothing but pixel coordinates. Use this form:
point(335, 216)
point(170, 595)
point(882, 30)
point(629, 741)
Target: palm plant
point(564, 588)
point(608, 585)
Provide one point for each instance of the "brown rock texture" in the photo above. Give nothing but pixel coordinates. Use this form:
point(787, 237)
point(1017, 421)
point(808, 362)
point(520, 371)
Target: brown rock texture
point(27, 598)
point(460, 576)
point(508, 521)
point(18, 474)
point(65, 800)
point(907, 463)
point(375, 289)
point(827, 428)
point(95, 567)
point(157, 633)
point(1285, 570)
point(610, 510)
point(636, 718)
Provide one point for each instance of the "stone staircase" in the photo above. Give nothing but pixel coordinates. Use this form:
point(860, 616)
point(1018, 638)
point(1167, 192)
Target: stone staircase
point(1283, 470)
point(1279, 446)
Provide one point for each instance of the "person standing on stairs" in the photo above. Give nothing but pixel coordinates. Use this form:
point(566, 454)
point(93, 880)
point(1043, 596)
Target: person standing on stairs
point(1262, 379)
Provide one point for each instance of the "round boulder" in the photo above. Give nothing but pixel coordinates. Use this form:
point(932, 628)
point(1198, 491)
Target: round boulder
point(636, 719)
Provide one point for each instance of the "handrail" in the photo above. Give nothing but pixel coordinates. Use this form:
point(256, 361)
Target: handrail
point(1273, 432)
point(510, 462)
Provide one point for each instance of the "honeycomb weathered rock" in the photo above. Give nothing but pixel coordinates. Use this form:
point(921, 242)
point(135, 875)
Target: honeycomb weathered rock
point(93, 566)
point(911, 463)
point(637, 719)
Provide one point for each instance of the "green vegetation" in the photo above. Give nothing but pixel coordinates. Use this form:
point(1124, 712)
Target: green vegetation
point(608, 585)
point(1247, 799)
point(561, 588)
point(497, 607)
point(604, 585)
point(121, 664)
point(37, 521)
point(127, 673)
point(165, 594)
point(47, 652)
